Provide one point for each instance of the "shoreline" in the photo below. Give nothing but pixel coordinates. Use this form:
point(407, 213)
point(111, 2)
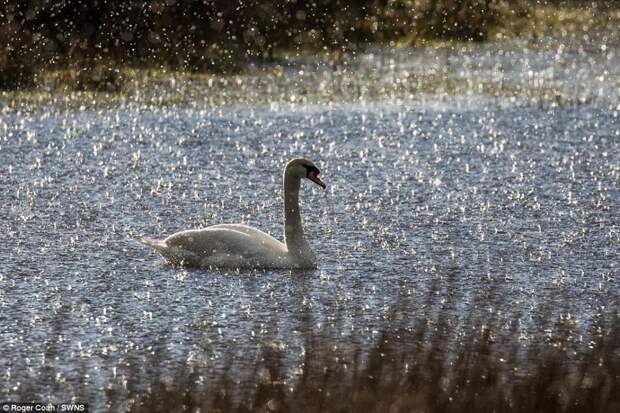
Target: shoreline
point(310, 77)
point(509, 70)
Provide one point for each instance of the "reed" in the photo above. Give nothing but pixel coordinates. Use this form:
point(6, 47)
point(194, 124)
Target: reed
point(425, 365)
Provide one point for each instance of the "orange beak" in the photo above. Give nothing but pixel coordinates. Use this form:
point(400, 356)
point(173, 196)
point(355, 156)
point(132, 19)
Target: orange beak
point(315, 178)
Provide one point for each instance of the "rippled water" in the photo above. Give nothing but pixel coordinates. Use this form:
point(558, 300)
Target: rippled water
point(481, 191)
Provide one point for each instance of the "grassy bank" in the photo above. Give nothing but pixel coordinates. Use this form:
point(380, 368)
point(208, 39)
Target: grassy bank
point(73, 37)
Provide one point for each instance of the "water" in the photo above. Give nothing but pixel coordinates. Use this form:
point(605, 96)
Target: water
point(421, 192)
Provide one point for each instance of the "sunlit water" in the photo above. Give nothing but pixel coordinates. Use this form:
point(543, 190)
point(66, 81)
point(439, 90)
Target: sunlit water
point(420, 194)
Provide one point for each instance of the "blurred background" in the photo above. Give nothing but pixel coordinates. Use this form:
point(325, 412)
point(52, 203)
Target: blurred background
point(224, 36)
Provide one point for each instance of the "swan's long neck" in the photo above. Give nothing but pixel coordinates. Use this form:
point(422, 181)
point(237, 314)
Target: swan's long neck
point(293, 231)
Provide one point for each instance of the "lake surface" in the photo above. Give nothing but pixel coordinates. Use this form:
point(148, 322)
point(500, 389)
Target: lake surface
point(442, 194)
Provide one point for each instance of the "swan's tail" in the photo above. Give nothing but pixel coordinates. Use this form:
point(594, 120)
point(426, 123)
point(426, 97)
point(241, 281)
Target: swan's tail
point(159, 246)
point(173, 254)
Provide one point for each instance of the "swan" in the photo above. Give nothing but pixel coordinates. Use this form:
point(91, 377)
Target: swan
point(241, 246)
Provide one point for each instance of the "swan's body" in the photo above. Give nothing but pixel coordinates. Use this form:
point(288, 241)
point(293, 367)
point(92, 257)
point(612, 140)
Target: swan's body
point(241, 246)
point(226, 246)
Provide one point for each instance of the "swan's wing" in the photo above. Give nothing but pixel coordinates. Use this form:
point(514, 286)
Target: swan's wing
point(254, 233)
point(229, 245)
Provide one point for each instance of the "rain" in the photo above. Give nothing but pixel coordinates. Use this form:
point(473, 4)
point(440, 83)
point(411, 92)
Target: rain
point(467, 242)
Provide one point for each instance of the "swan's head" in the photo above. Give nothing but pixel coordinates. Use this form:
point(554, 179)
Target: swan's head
point(304, 168)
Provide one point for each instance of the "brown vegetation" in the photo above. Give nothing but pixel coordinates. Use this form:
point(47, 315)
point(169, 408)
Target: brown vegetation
point(424, 365)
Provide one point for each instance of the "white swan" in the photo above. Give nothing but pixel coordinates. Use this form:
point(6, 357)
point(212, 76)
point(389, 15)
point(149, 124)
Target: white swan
point(241, 246)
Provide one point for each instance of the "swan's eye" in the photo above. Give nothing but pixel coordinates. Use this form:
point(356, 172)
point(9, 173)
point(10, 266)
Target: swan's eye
point(311, 168)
